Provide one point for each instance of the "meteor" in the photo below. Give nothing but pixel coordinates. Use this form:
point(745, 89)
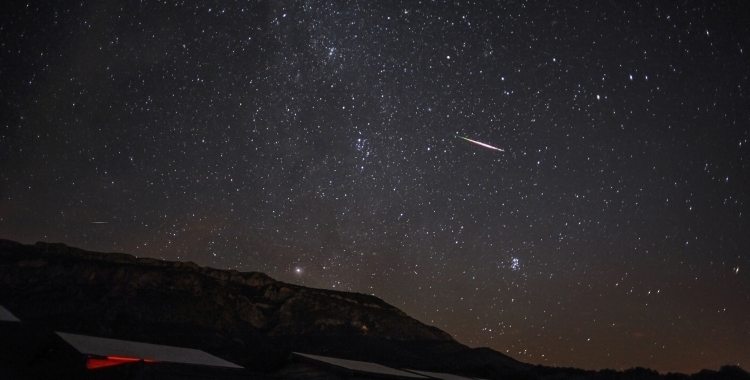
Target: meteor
point(481, 144)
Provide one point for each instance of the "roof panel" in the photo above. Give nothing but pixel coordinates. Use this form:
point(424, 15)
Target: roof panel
point(7, 316)
point(91, 345)
point(362, 367)
point(439, 375)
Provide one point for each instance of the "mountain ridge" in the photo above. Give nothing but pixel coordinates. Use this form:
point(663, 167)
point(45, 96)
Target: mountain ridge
point(235, 315)
point(248, 318)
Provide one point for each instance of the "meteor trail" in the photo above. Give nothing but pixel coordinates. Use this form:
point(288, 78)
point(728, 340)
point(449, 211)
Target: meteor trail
point(482, 144)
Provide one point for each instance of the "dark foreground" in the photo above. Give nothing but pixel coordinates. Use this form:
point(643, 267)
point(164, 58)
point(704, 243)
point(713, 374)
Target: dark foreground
point(246, 318)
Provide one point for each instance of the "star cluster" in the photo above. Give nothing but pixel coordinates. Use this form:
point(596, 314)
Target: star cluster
point(319, 142)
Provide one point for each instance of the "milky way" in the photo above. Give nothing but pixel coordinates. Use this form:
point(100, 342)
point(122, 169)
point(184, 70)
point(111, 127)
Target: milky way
point(316, 142)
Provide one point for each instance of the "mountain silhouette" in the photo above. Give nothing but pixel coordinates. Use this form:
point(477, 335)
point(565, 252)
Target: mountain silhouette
point(246, 318)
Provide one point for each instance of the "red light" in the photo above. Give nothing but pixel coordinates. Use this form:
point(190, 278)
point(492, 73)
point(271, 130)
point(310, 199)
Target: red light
point(94, 362)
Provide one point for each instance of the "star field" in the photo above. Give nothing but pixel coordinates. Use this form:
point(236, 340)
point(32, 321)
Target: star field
point(318, 142)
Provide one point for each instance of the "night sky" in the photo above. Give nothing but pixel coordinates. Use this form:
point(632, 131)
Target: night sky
point(318, 142)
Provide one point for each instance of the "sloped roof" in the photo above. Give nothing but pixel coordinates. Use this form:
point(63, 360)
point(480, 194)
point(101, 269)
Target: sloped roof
point(7, 316)
point(90, 345)
point(439, 375)
point(361, 368)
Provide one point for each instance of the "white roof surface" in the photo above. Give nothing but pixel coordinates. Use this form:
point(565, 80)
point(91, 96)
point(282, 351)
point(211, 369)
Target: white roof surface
point(362, 367)
point(7, 316)
point(438, 375)
point(92, 345)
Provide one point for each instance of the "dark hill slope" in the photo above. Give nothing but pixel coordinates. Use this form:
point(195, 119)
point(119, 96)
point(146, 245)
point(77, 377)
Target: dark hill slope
point(248, 318)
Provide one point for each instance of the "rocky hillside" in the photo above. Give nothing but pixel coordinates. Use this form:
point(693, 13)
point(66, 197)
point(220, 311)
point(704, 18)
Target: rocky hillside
point(248, 318)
